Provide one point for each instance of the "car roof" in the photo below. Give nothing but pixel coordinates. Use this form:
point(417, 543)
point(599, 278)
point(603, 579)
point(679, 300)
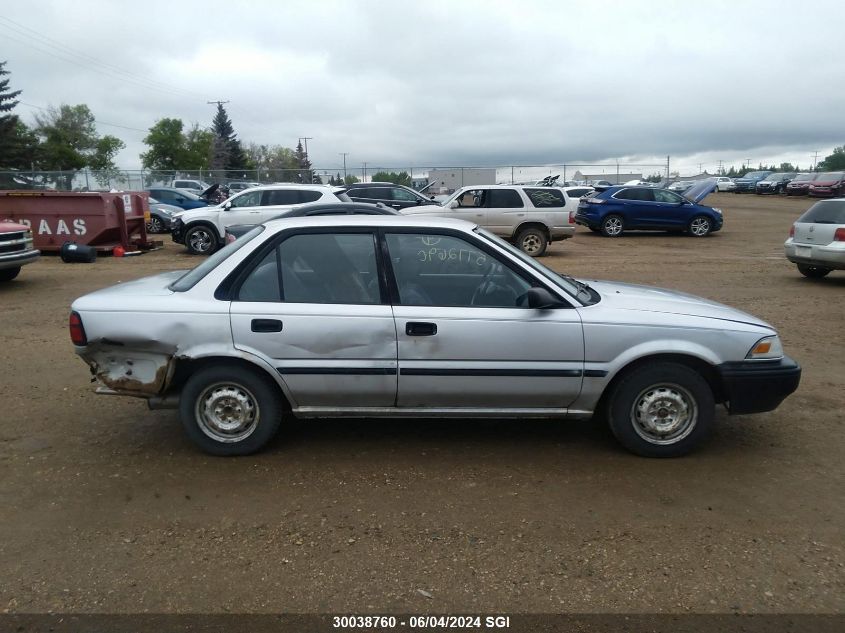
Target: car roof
point(343, 207)
point(398, 220)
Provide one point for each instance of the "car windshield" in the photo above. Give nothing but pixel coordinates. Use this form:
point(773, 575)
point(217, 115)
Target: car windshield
point(188, 194)
point(826, 212)
point(571, 286)
point(804, 177)
point(773, 177)
point(830, 175)
point(195, 275)
point(756, 174)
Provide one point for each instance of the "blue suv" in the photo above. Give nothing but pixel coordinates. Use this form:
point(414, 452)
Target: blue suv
point(621, 208)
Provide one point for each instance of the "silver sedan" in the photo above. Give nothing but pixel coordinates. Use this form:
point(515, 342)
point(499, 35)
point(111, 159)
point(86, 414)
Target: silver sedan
point(373, 316)
point(816, 241)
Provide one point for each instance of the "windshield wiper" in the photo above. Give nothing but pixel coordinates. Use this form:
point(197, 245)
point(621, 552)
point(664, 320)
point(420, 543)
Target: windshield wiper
point(582, 287)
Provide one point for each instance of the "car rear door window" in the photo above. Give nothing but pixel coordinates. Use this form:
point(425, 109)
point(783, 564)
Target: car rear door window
point(504, 199)
point(403, 195)
point(542, 198)
point(641, 195)
point(262, 283)
point(251, 199)
point(329, 268)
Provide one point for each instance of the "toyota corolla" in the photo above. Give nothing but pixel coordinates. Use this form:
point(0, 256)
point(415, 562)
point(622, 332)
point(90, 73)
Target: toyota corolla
point(390, 316)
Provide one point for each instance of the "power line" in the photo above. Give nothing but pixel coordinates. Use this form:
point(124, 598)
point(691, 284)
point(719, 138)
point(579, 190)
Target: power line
point(68, 58)
point(98, 122)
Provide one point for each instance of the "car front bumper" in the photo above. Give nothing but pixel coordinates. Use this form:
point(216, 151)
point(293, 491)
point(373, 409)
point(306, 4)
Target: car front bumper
point(16, 259)
point(758, 385)
point(177, 230)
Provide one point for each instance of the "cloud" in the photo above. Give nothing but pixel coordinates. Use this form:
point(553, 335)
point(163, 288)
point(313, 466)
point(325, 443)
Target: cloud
point(449, 83)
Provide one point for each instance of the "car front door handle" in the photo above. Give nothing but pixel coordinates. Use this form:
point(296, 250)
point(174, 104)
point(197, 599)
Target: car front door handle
point(266, 325)
point(417, 328)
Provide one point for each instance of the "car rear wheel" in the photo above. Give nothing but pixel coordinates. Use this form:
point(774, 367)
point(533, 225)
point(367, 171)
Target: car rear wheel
point(612, 226)
point(699, 226)
point(7, 274)
point(661, 410)
point(201, 240)
point(813, 272)
point(230, 410)
point(532, 242)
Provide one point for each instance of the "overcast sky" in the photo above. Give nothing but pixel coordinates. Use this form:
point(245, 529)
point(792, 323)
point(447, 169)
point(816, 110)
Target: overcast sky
point(431, 83)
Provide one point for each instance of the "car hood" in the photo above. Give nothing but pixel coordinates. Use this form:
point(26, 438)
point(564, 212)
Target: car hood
point(700, 190)
point(187, 215)
point(422, 209)
point(824, 183)
point(622, 296)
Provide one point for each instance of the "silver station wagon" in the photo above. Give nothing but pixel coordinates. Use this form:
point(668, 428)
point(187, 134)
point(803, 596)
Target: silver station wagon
point(392, 316)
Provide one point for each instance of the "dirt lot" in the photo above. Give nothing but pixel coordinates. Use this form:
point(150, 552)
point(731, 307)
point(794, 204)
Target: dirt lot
point(106, 507)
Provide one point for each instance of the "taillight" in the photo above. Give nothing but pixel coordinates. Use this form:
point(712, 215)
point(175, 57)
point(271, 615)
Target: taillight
point(77, 331)
point(571, 218)
point(792, 231)
point(839, 236)
point(230, 238)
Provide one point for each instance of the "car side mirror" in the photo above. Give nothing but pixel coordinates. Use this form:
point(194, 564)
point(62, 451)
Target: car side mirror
point(227, 205)
point(541, 299)
point(454, 204)
point(419, 202)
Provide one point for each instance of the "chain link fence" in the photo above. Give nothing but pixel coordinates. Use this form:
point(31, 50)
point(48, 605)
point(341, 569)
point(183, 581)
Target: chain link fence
point(436, 179)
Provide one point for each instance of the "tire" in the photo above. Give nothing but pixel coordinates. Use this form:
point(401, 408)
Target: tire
point(7, 274)
point(532, 241)
point(155, 225)
point(201, 239)
point(594, 230)
point(641, 402)
point(234, 392)
point(813, 272)
point(612, 226)
point(700, 226)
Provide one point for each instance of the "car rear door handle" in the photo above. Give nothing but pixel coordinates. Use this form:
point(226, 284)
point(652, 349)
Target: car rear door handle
point(417, 328)
point(266, 325)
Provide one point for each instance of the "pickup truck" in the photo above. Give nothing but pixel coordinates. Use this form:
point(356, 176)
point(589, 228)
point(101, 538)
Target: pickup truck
point(528, 216)
point(15, 249)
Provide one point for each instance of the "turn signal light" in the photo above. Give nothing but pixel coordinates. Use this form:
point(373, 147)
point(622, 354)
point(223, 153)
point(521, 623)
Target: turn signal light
point(762, 347)
point(77, 331)
point(839, 236)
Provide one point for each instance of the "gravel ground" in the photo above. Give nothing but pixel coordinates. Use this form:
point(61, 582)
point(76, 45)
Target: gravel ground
point(106, 507)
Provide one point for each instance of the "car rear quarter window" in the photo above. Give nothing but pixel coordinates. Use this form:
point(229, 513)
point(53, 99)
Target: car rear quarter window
point(309, 196)
point(544, 198)
point(635, 193)
point(827, 212)
point(577, 193)
point(504, 199)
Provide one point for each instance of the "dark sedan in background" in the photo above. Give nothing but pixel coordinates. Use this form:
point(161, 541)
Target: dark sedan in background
point(748, 183)
point(774, 183)
point(334, 208)
point(387, 193)
point(160, 216)
point(177, 197)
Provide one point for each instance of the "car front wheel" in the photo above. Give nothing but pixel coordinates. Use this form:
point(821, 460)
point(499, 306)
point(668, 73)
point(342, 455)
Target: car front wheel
point(700, 226)
point(813, 272)
point(7, 274)
point(612, 226)
point(155, 225)
point(229, 410)
point(661, 410)
point(201, 240)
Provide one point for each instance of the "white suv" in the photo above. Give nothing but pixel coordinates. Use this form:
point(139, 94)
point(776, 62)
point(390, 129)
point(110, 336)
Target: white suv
point(528, 216)
point(203, 230)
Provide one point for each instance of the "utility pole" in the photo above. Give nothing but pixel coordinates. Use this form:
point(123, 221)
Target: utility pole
point(365, 173)
point(667, 168)
point(815, 158)
point(306, 139)
point(748, 163)
point(220, 103)
point(721, 169)
point(344, 164)
point(700, 165)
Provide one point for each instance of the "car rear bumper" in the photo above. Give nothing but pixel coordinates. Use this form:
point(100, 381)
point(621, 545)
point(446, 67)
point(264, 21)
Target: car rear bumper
point(557, 233)
point(814, 255)
point(14, 260)
point(757, 386)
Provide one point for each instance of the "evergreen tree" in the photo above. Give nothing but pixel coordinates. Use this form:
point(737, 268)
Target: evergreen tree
point(8, 122)
point(227, 151)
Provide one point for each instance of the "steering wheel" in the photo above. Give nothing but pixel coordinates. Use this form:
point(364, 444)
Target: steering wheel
point(481, 290)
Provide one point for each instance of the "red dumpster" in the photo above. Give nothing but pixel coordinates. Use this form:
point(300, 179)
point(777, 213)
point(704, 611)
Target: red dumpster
point(101, 220)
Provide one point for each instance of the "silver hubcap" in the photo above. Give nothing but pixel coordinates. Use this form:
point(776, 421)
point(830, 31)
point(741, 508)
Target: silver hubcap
point(613, 226)
point(532, 244)
point(227, 412)
point(155, 225)
point(200, 240)
point(700, 226)
point(664, 414)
